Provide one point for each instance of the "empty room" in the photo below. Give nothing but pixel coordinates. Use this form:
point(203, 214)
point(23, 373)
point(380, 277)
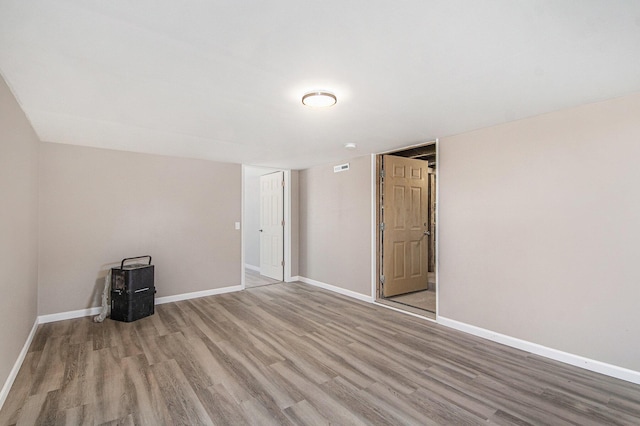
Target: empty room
point(305, 213)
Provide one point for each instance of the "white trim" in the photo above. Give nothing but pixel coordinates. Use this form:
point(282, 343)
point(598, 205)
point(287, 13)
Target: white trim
point(374, 227)
point(287, 226)
point(196, 294)
point(534, 348)
point(251, 267)
point(242, 224)
point(16, 367)
point(335, 289)
point(402, 311)
point(61, 316)
point(437, 236)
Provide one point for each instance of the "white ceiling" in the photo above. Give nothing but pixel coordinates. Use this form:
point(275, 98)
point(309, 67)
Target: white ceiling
point(222, 80)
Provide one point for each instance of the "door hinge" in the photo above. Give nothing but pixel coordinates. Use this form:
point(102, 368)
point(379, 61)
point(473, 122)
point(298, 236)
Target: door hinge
point(382, 279)
point(382, 226)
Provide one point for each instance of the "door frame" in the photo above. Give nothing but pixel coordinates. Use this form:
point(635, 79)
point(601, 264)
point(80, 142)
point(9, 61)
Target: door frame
point(376, 266)
point(290, 239)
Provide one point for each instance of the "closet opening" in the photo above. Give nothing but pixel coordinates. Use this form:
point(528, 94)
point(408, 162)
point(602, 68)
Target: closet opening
point(406, 237)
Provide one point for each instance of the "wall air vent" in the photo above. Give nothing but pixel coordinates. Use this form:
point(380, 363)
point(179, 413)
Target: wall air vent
point(341, 168)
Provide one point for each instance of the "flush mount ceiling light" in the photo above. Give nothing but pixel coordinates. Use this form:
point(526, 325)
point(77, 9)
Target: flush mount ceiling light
point(319, 99)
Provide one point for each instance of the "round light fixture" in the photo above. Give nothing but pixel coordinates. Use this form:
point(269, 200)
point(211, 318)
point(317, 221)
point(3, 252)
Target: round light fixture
point(319, 99)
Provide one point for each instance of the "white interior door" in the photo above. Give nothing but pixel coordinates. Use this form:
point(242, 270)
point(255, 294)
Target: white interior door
point(272, 225)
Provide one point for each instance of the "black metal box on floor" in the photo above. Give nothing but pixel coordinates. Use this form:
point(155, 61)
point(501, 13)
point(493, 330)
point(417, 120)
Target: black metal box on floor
point(132, 290)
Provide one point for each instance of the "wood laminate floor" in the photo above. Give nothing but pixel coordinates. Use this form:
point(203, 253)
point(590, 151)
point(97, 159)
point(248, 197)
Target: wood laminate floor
point(294, 354)
point(424, 299)
point(254, 279)
point(421, 302)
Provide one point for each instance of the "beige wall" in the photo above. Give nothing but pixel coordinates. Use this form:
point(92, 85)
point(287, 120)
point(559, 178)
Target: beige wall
point(18, 229)
point(335, 225)
point(539, 230)
point(99, 206)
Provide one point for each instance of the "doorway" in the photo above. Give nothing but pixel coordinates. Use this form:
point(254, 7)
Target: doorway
point(406, 237)
point(271, 232)
point(252, 272)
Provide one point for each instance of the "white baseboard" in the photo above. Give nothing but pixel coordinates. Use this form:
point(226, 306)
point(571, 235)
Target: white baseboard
point(196, 294)
point(16, 367)
point(42, 319)
point(565, 357)
point(335, 289)
point(252, 267)
point(61, 316)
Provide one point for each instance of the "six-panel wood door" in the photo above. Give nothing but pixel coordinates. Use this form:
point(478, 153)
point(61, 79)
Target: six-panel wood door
point(405, 247)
